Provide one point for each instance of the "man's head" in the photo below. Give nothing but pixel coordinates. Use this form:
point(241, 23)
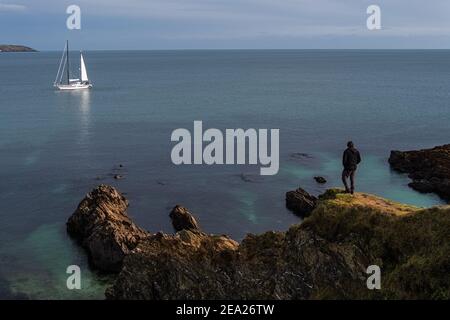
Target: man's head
point(350, 144)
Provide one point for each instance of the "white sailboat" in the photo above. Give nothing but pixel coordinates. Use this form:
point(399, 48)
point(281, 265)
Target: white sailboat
point(63, 80)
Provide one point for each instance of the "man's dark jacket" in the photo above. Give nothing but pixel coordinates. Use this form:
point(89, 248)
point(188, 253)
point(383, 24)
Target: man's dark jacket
point(351, 158)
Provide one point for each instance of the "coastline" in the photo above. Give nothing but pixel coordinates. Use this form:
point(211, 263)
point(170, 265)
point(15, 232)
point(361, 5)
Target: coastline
point(324, 257)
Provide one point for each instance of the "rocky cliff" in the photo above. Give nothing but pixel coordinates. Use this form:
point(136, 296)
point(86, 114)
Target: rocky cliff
point(429, 169)
point(324, 257)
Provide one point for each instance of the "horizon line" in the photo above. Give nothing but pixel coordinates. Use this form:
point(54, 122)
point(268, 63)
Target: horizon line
point(257, 49)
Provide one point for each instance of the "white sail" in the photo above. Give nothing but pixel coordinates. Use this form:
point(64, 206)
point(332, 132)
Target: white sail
point(84, 76)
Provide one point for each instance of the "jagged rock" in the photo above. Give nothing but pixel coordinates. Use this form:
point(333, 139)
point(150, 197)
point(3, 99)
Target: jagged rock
point(102, 226)
point(188, 265)
point(320, 179)
point(429, 169)
point(325, 257)
point(300, 202)
point(274, 265)
point(183, 219)
point(422, 185)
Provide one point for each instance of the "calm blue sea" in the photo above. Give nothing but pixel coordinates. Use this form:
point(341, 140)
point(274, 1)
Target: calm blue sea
point(56, 146)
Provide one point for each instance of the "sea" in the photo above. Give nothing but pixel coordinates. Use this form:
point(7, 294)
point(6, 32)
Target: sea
point(57, 146)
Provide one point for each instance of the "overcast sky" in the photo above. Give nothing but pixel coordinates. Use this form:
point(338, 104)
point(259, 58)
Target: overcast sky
point(229, 24)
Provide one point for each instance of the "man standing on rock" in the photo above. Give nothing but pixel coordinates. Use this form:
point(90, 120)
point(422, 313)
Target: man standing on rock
point(350, 160)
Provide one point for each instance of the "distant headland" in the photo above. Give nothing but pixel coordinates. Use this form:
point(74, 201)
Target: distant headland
point(15, 48)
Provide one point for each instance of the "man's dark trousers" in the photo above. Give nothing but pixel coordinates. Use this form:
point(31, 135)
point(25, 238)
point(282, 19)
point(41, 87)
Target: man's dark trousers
point(346, 173)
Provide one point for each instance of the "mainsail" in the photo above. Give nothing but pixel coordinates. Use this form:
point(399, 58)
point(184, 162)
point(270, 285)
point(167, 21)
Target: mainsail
point(84, 76)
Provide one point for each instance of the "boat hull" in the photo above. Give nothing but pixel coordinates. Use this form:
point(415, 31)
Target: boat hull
point(74, 86)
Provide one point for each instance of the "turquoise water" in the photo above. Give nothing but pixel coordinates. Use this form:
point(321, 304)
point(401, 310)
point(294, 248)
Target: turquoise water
point(56, 146)
point(372, 176)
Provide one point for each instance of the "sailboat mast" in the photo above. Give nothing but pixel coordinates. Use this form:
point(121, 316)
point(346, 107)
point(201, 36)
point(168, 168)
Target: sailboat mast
point(67, 56)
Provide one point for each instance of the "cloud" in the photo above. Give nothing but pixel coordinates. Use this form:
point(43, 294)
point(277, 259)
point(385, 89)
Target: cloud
point(7, 7)
point(291, 22)
point(276, 17)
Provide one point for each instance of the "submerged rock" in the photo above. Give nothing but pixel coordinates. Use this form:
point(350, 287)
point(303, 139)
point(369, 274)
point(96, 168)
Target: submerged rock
point(251, 178)
point(429, 169)
point(320, 179)
point(300, 202)
point(182, 219)
point(300, 155)
point(245, 178)
point(102, 226)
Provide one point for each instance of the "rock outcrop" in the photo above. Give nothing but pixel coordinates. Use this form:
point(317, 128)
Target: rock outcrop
point(325, 257)
point(187, 265)
point(429, 169)
point(102, 226)
point(182, 219)
point(274, 265)
point(300, 202)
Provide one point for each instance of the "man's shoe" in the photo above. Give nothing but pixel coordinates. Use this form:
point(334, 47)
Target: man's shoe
point(351, 191)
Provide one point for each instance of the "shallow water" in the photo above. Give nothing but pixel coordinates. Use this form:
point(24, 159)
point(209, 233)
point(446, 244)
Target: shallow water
point(56, 146)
